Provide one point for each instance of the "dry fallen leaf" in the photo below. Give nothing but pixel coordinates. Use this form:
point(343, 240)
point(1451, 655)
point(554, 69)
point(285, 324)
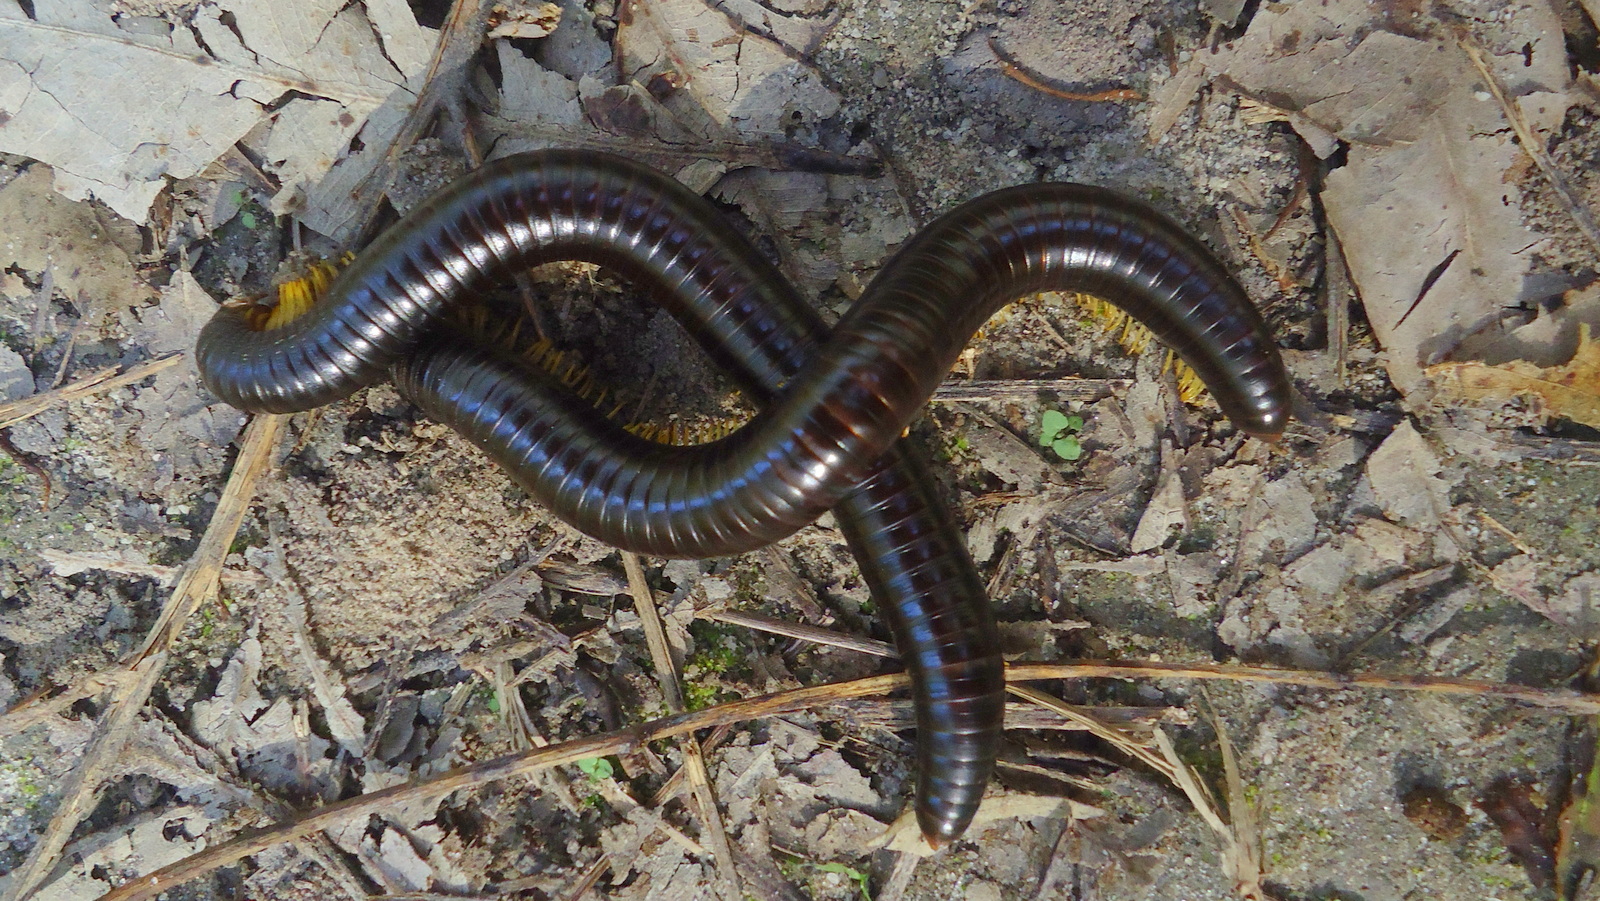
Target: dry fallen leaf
point(1427, 205)
point(1577, 852)
point(16, 379)
point(1405, 476)
point(1570, 391)
point(144, 843)
point(200, 83)
point(1167, 510)
point(536, 22)
point(999, 805)
point(717, 78)
point(45, 231)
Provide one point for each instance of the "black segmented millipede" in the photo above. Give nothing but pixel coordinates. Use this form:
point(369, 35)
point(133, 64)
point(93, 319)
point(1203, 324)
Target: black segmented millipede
point(834, 403)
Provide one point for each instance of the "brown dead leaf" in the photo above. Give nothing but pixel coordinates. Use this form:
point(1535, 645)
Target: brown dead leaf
point(1285, 521)
point(1426, 207)
point(1405, 475)
point(535, 22)
point(44, 230)
point(1518, 577)
point(199, 82)
point(145, 842)
point(903, 834)
point(1578, 849)
point(1510, 805)
point(1167, 510)
point(1573, 605)
point(716, 77)
point(1570, 391)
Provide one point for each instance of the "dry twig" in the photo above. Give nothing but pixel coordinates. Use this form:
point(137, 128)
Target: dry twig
point(1016, 72)
point(630, 739)
point(105, 380)
point(1557, 700)
point(197, 584)
point(694, 761)
point(802, 632)
point(511, 766)
point(1338, 288)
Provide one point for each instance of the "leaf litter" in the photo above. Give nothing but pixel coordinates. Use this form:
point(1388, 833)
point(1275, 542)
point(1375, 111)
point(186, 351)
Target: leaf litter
point(1360, 546)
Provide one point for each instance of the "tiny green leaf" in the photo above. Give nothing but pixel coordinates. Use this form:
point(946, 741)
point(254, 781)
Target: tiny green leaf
point(859, 877)
point(597, 769)
point(1074, 423)
point(1067, 447)
point(247, 219)
point(1051, 425)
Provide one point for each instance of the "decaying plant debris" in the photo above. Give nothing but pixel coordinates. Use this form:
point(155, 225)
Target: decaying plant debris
point(347, 631)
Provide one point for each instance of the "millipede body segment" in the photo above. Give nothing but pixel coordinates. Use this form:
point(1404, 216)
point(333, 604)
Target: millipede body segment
point(833, 402)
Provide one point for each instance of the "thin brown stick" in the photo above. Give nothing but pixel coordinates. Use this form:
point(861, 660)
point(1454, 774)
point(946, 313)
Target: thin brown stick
point(511, 766)
point(1337, 288)
point(1563, 450)
point(197, 584)
point(26, 462)
point(1513, 537)
point(802, 631)
point(1296, 200)
point(1559, 700)
point(1258, 249)
point(204, 570)
point(1243, 847)
point(633, 738)
point(591, 876)
point(1029, 390)
point(41, 706)
point(78, 794)
point(105, 380)
point(694, 759)
point(1135, 747)
point(78, 328)
point(1016, 72)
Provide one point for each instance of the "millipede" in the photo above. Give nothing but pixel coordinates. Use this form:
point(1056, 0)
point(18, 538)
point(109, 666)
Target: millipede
point(832, 402)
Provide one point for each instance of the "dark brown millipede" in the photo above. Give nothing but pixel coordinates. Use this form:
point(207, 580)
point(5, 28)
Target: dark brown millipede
point(833, 403)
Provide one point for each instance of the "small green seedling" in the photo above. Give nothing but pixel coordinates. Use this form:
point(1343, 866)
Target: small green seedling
point(1059, 432)
point(851, 872)
point(598, 769)
point(240, 199)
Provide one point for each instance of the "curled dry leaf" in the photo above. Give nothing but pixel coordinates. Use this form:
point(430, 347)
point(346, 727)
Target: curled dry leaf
point(533, 22)
point(1570, 391)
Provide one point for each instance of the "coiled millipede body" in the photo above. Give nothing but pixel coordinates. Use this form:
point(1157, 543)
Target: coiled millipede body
point(833, 402)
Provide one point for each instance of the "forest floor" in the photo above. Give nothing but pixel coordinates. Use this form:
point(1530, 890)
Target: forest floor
point(392, 607)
